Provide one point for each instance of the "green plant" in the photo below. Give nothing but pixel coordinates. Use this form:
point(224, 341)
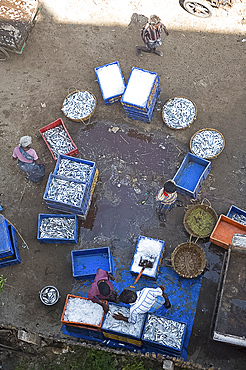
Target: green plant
point(100, 360)
point(2, 282)
point(137, 365)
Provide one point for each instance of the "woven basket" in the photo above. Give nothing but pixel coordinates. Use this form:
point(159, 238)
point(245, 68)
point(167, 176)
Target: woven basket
point(188, 260)
point(183, 128)
point(206, 129)
point(200, 220)
point(84, 118)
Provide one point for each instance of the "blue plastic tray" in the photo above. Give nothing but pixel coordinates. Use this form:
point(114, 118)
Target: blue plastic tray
point(15, 257)
point(191, 174)
point(6, 247)
point(86, 262)
point(236, 211)
point(57, 240)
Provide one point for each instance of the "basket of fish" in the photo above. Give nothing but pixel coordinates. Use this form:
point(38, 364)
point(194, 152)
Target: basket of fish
point(207, 143)
point(49, 295)
point(79, 105)
point(200, 220)
point(188, 260)
point(179, 113)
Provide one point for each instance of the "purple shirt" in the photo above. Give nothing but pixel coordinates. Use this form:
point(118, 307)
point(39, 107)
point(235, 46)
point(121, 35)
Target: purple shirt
point(17, 154)
point(94, 294)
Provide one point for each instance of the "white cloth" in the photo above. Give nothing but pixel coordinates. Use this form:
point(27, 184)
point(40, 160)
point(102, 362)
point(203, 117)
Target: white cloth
point(25, 141)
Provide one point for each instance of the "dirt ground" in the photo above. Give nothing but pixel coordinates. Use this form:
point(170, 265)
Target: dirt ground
point(204, 60)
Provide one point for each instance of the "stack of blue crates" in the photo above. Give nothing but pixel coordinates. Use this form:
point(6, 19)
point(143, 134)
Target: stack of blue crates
point(9, 250)
point(87, 185)
point(141, 94)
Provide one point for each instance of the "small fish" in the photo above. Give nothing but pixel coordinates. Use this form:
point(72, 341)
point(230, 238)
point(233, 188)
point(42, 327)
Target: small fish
point(79, 105)
point(179, 113)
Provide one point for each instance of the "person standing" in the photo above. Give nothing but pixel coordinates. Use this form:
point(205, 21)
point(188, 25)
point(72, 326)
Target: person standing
point(167, 197)
point(28, 160)
point(151, 35)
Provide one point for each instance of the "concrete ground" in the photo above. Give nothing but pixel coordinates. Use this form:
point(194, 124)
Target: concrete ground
point(204, 60)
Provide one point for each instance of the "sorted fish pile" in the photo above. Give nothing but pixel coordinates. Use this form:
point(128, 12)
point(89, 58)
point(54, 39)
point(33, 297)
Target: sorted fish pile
point(83, 311)
point(49, 295)
point(165, 332)
point(179, 113)
point(76, 170)
point(121, 326)
point(79, 105)
point(66, 191)
point(58, 140)
point(57, 228)
point(207, 143)
point(239, 218)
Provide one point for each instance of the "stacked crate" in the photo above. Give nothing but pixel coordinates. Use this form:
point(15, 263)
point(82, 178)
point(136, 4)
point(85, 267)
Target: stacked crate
point(141, 94)
point(9, 250)
point(69, 180)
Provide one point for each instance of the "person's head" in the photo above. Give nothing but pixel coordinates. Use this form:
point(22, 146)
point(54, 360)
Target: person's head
point(103, 288)
point(169, 186)
point(128, 296)
point(25, 141)
point(154, 19)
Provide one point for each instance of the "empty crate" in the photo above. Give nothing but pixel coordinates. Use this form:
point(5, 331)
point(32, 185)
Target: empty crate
point(9, 236)
point(224, 231)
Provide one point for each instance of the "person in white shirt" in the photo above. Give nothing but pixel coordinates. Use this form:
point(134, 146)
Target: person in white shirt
point(145, 300)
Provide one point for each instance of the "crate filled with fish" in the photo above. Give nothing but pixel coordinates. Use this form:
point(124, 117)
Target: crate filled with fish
point(9, 250)
point(86, 262)
point(82, 313)
point(191, 174)
point(164, 334)
point(79, 105)
point(179, 113)
point(207, 143)
point(57, 139)
point(75, 168)
point(66, 194)
point(53, 228)
point(120, 330)
point(237, 214)
point(148, 249)
point(111, 82)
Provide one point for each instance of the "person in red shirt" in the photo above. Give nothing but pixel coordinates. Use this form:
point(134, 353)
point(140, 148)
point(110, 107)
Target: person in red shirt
point(167, 197)
point(151, 35)
point(102, 289)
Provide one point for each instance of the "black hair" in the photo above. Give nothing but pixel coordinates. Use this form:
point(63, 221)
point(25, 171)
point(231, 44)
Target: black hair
point(170, 186)
point(103, 289)
point(128, 296)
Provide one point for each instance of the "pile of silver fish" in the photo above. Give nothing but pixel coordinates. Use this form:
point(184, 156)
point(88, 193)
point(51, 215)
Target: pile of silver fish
point(76, 170)
point(58, 140)
point(165, 332)
point(49, 295)
point(65, 191)
point(79, 105)
point(239, 218)
point(179, 113)
point(207, 143)
point(57, 228)
point(121, 326)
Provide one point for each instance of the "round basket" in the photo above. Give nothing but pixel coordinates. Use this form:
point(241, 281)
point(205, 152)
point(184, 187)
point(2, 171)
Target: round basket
point(200, 220)
point(49, 295)
point(188, 260)
point(204, 152)
point(88, 112)
point(189, 121)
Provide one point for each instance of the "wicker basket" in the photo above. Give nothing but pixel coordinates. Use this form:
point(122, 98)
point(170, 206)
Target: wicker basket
point(84, 118)
point(200, 220)
point(188, 260)
point(207, 129)
point(183, 128)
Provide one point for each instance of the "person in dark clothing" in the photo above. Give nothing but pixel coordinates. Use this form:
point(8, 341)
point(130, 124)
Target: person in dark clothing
point(151, 35)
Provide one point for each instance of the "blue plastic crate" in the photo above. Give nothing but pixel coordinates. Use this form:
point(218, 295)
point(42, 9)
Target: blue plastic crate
point(6, 247)
point(141, 251)
point(90, 164)
point(191, 174)
point(86, 262)
point(155, 345)
point(134, 90)
point(15, 257)
point(43, 216)
point(234, 213)
point(132, 332)
point(110, 75)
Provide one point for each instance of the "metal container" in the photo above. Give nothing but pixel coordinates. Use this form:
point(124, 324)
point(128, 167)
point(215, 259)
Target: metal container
point(49, 295)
